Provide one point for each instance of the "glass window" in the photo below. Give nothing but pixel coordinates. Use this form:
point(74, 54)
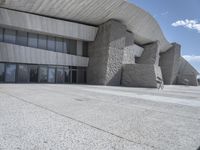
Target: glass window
point(10, 36)
point(10, 73)
point(2, 72)
point(51, 75)
point(65, 46)
point(66, 74)
point(1, 34)
point(22, 38)
point(23, 74)
point(72, 47)
point(60, 75)
point(42, 42)
point(81, 75)
point(51, 43)
point(32, 40)
point(43, 74)
point(33, 73)
point(73, 76)
point(85, 49)
point(59, 45)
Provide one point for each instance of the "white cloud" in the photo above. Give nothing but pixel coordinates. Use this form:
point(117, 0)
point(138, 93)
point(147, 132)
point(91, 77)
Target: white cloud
point(191, 24)
point(192, 58)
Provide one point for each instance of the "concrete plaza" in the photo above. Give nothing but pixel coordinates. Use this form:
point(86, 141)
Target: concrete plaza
point(79, 117)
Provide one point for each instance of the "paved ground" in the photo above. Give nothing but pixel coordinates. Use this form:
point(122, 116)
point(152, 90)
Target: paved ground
point(80, 117)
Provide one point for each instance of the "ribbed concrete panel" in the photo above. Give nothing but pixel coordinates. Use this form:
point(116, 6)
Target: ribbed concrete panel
point(21, 54)
point(47, 25)
point(96, 12)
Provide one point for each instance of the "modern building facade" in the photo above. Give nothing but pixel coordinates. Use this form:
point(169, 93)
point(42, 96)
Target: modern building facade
point(108, 42)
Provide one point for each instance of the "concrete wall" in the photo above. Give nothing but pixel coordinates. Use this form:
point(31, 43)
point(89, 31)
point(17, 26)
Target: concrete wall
point(39, 24)
point(186, 72)
point(21, 54)
point(106, 54)
point(169, 62)
point(140, 75)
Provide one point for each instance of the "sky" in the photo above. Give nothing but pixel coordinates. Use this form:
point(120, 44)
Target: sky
point(180, 22)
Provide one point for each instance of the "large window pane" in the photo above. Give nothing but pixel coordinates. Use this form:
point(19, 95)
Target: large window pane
point(60, 75)
point(2, 72)
point(59, 45)
point(66, 74)
point(42, 41)
point(51, 43)
point(85, 49)
point(32, 40)
point(10, 72)
point(66, 46)
point(1, 34)
point(23, 74)
point(72, 47)
point(51, 75)
point(33, 73)
point(43, 74)
point(10, 36)
point(73, 76)
point(81, 75)
point(22, 38)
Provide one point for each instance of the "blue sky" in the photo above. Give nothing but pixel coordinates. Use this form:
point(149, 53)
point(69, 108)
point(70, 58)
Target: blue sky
point(180, 22)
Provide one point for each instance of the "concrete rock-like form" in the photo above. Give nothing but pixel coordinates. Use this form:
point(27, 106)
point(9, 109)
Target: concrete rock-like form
point(150, 54)
point(169, 62)
point(106, 54)
point(186, 74)
point(141, 75)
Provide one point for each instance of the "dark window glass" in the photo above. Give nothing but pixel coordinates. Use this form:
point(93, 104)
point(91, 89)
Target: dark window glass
point(51, 75)
point(65, 46)
point(33, 70)
point(33, 40)
point(22, 38)
point(79, 48)
point(73, 76)
point(72, 47)
point(10, 36)
point(1, 34)
point(60, 75)
point(81, 75)
point(2, 72)
point(51, 43)
point(67, 76)
point(59, 45)
point(23, 74)
point(85, 49)
point(43, 74)
point(10, 73)
point(42, 42)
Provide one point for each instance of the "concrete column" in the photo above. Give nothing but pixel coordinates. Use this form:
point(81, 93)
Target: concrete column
point(106, 54)
point(169, 63)
point(150, 54)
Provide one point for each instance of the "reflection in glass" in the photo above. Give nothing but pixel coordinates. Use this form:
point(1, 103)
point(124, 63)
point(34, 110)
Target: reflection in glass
point(51, 75)
point(23, 74)
point(10, 36)
point(51, 43)
point(1, 34)
point(33, 73)
point(60, 75)
point(43, 74)
point(42, 42)
point(32, 40)
point(66, 74)
point(2, 72)
point(59, 45)
point(22, 38)
point(10, 73)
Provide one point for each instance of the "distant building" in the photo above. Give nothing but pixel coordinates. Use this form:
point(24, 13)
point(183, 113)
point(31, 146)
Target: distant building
point(96, 42)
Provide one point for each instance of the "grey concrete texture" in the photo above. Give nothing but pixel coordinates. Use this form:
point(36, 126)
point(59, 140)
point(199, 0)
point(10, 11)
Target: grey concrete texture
point(150, 54)
point(22, 54)
point(187, 72)
point(83, 117)
point(106, 54)
point(169, 62)
point(141, 75)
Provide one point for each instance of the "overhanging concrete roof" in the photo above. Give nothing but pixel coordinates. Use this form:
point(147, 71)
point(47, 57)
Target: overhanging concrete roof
point(96, 12)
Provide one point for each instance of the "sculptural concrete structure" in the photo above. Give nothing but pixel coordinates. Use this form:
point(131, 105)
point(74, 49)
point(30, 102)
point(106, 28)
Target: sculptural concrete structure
point(96, 42)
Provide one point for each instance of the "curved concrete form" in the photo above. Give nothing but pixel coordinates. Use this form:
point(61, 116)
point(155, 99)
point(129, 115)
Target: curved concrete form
point(96, 12)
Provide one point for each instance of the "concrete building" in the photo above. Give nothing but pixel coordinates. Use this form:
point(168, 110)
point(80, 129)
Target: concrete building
point(108, 42)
